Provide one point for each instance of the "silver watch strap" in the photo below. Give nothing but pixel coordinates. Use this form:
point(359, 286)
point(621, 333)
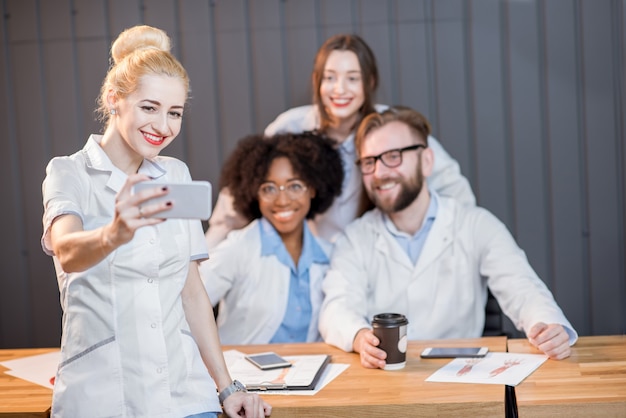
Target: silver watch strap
point(236, 386)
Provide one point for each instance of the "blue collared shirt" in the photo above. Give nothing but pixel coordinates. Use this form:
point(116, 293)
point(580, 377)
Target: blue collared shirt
point(413, 245)
point(295, 324)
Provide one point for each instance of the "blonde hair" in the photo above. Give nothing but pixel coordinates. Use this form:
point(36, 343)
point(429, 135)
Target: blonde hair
point(417, 123)
point(137, 52)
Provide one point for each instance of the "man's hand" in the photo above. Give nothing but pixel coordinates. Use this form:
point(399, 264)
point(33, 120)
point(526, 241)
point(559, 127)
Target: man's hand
point(551, 339)
point(366, 344)
point(248, 405)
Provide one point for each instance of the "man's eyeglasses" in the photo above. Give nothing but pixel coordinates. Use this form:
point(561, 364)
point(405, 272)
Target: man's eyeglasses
point(391, 158)
point(294, 189)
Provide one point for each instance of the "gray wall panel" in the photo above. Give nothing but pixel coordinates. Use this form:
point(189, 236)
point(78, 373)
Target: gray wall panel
point(31, 131)
point(301, 45)
point(601, 155)
point(530, 228)
point(63, 134)
point(411, 68)
point(91, 43)
point(527, 95)
point(337, 16)
point(267, 60)
point(23, 20)
point(491, 173)
point(88, 15)
point(201, 118)
point(15, 310)
point(233, 62)
point(163, 14)
point(92, 64)
point(56, 22)
point(451, 83)
point(569, 276)
point(375, 31)
point(121, 14)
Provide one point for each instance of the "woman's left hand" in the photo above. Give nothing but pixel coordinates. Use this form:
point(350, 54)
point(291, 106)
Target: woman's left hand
point(248, 405)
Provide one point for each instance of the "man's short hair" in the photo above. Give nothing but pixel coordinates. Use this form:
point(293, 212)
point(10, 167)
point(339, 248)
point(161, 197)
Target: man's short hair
point(416, 122)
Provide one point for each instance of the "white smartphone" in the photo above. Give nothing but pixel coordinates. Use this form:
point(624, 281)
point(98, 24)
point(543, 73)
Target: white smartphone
point(268, 361)
point(454, 352)
point(190, 200)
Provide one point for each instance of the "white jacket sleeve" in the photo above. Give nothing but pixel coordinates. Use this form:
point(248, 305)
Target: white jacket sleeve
point(219, 272)
point(522, 295)
point(345, 287)
point(446, 178)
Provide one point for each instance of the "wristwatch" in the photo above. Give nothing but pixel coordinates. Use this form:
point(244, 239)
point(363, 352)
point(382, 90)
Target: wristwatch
point(236, 386)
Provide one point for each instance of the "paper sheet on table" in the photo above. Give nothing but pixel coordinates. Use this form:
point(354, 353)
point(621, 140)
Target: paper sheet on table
point(495, 368)
point(239, 368)
point(39, 369)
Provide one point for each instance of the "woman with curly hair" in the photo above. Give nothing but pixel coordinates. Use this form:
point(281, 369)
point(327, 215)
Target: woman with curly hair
point(277, 184)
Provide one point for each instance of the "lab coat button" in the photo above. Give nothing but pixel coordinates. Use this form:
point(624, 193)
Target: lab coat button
point(153, 325)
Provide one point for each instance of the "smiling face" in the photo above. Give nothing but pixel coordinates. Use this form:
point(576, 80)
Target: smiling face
point(341, 90)
point(285, 214)
point(394, 189)
point(149, 119)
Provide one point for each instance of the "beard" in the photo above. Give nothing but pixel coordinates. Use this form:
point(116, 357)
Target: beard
point(409, 190)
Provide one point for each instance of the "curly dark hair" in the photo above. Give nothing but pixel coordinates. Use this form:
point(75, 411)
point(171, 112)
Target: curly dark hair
point(313, 157)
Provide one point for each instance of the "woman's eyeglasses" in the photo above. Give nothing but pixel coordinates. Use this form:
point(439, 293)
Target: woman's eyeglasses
point(294, 189)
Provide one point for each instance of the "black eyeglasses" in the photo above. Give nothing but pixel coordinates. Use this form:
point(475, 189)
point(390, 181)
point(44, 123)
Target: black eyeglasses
point(391, 158)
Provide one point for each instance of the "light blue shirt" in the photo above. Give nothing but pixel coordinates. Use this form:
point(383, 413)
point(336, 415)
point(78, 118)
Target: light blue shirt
point(295, 324)
point(413, 245)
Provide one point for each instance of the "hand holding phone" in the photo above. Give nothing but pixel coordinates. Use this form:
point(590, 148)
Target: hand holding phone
point(190, 200)
point(268, 361)
point(454, 352)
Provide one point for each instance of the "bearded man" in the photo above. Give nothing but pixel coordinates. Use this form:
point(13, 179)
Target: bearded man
point(426, 256)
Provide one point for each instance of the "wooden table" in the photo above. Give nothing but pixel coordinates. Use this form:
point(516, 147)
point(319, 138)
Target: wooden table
point(360, 392)
point(19, 398)
point(357, 392)
point(592, 382)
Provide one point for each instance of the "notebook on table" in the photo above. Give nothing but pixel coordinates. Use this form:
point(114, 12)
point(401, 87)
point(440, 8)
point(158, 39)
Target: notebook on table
point(304, 373)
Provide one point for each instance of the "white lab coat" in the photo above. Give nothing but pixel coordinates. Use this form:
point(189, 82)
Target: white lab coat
point(446, 179)
point(126, 347)
point(253, 290)
point(444, 294)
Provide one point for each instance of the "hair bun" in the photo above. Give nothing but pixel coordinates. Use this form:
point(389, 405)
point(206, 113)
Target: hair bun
point(137, 38)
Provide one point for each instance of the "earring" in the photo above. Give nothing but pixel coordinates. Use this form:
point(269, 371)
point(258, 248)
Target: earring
point(113, 112)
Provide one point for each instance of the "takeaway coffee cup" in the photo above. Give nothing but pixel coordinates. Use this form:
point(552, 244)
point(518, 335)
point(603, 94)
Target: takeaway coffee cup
point(390, 329)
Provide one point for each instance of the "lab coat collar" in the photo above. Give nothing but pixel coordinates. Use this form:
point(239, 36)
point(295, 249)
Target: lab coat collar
point(97, 159)
point(440, 235)
point(272, 244)
point(439, 238)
